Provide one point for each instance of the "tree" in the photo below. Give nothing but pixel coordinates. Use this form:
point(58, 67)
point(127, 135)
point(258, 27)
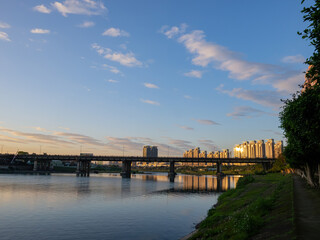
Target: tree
point(300, 116)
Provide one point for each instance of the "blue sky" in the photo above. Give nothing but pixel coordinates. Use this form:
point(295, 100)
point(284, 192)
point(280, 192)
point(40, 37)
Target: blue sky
point(111, 76)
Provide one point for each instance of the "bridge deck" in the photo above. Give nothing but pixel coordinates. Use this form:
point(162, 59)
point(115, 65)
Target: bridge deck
point(45, 157)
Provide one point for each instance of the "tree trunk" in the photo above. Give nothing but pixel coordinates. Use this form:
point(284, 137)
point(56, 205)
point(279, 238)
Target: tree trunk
point(310, 174)
point(318, 174)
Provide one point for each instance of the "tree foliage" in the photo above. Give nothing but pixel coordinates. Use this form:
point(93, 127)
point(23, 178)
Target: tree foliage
point(300, 116)
point(312, 33)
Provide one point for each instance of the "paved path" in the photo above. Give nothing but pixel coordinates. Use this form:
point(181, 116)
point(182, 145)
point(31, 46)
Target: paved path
point(307, 210)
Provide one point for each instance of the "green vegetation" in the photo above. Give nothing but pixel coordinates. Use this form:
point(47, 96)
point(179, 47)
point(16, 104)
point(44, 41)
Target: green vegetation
point(261, 207)
point(300, 115)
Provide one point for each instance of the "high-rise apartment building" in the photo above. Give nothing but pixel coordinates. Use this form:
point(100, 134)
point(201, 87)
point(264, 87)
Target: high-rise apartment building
point(269, 145)
point(260, 149)
point(150, 151)
point(278, 149)
point(252, 149)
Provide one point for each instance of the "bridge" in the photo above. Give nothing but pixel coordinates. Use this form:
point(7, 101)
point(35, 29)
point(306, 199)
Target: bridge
point(42, 162)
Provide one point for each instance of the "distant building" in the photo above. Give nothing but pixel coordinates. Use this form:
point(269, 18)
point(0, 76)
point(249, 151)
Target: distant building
point(260, 149)
point(252, 149)
point(278, 149)
point(269, 145)
point(196, 152)
point(150, 151)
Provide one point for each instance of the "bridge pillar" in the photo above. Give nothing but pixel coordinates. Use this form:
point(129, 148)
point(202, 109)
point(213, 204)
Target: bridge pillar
point(172, 173)
point(35, 165)
point(126, 169)
point(83, 168)
point(219, 167)
point(266, 166)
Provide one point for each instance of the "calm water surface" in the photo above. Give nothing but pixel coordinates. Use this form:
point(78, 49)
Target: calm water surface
point(105, 206)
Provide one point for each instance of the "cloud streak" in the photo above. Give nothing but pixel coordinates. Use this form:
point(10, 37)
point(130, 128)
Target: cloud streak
point(4, 25)
point(4, 37)
point(194, 73)
point(150, 102)
point(115, 32)
point(127, 59)
point(150, 85)
point(268, 98)
point(206, 53)
point(40, 31)
point(206, 122)
point(86, 24)
point(81, 7)
point(246, 111)
point(42, 9)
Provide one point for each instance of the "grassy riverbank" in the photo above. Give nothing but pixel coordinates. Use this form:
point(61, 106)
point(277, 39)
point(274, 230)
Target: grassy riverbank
point(261, 207)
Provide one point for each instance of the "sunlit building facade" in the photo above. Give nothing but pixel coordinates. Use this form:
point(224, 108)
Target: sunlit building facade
point(258, 149)
point(278, 149)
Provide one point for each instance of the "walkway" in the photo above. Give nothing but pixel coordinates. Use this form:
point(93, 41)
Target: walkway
point(307, 210)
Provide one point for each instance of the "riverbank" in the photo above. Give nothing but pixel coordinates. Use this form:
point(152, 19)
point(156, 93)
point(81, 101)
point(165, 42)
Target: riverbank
point(261, 207)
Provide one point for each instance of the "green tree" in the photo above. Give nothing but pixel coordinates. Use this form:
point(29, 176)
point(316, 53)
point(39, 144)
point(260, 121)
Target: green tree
point(300, 116)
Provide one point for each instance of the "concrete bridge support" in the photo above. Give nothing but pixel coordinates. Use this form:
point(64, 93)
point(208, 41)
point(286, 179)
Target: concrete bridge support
point(41, 165)
point(83, 168)
point(172, 173)
point(126, 169)
point(267, 166)
point(219, 167)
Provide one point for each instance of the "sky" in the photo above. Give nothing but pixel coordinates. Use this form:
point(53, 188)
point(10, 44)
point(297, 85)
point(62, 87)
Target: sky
point(110, 76)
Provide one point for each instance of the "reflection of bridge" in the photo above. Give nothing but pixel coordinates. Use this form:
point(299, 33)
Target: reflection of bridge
point(42, 162)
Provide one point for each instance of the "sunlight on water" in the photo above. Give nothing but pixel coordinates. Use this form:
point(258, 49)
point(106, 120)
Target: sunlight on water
point(105, 206)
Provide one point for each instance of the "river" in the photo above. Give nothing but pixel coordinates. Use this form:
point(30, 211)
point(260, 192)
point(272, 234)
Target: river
point(105, 206)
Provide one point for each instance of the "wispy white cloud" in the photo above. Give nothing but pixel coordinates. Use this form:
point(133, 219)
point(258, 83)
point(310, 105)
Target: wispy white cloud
point(268, 98)
point(115, 32)
point(294, 59)
point(221, 58)
point(80, 138)
point(4, 25)
point(173, 31)
point(113, 81)
point(150, 85)
point(246, 111)
point(36, 137)
point(86, 24)
point(127, 59)
point(111, 68)
point(194, 73)
point(187, 97)
point(40, 31)
point(206, 122)
point(82, 7)
point(150, 102)
point(42, 8)
point(5, 37)
point(40, 129)
point(186, 127)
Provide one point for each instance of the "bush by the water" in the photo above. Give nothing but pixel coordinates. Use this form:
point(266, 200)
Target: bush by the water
point(245, 180)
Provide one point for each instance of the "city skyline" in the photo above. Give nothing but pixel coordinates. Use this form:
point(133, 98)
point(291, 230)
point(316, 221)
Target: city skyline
point(110, 77)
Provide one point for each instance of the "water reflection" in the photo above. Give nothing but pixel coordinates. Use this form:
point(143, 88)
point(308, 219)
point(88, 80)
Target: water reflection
point(192, 183)
point(147, 206)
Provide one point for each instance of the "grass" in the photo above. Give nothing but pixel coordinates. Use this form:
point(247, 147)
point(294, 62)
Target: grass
point(260, 208)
